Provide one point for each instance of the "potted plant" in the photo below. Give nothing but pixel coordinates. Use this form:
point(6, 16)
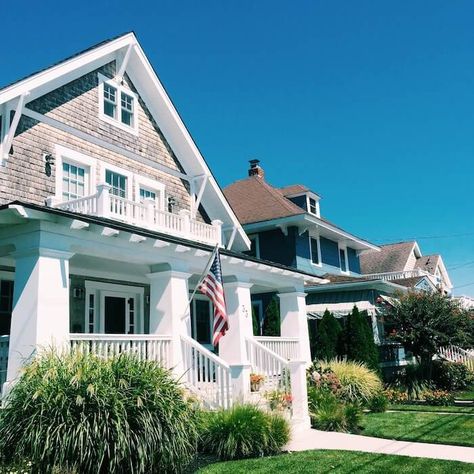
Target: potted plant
point(256, 381)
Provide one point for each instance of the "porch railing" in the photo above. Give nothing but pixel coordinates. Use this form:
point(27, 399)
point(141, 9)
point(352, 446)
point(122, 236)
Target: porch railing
point(4, 346)
point(273, 367)
point(151, 347)
point(206, 374)
point(456, 354)
point(143, 214)
point(286, 347)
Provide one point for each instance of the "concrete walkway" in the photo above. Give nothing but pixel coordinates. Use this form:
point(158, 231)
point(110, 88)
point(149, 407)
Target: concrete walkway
point(306, 439)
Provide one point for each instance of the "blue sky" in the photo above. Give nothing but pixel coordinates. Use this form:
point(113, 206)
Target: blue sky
point(369, 103)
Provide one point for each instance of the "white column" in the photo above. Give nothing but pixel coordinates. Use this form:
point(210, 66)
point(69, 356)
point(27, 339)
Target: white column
point(299, 391)
point(232, 347)
point(40, 316)
point(294, 321)
point(169, 311)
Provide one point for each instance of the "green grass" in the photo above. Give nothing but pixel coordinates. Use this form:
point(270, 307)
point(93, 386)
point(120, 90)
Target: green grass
point(429, 408)
point(342, 462)
point(423, 427)
point(465, 394)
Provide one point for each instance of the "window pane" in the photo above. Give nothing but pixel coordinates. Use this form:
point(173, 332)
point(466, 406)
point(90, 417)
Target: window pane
point(109, 109)
point(342, 258)
point(109, 92)
point(73, 181)
point(127, 118)
point(127, 109)
point(117, 182)
point(203, 321)
point(314, 251)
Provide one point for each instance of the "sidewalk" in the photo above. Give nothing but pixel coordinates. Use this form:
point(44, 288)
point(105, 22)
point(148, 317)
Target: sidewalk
point(307, 439)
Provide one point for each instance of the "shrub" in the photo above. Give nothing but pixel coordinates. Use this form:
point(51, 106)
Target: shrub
point(327, 338)
point(358, 383)
point(243, 431)
point(378, 403)
point(79, 412)
point(279, 400)
point(438, 397)
point(324, 379)
point(451, 375)
point(396, 396)
point(411, 382)
point(328, 413)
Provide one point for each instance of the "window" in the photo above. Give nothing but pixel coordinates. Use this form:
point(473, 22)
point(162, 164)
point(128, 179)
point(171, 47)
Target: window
point(314, 250)
point(6, 306)
point(117, 105)
point(73, 183)
point(147, 194)
point(118, 183)
point(201, 317)
point(313, 208)
point(343, 260)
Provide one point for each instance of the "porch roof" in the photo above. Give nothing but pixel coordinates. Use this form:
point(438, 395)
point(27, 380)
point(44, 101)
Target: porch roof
point(19, 212)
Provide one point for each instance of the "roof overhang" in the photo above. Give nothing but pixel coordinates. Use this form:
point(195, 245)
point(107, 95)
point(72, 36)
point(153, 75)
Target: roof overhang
point(381, 285)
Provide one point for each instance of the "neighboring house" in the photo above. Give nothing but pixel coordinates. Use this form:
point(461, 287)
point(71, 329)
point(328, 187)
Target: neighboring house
point(404, 264)
point(133, 214)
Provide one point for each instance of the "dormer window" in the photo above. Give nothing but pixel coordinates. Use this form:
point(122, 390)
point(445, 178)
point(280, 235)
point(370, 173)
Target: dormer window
point(117, 105)
point(312, 206)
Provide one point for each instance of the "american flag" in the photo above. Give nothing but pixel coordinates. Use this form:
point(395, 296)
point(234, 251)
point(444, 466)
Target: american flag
point(212, 286)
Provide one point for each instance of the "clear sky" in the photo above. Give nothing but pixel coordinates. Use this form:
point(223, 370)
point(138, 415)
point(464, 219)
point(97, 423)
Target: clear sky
point(369, 103)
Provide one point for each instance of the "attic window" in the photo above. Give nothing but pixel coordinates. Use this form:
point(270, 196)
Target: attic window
point(312, 206)
point(117, 105)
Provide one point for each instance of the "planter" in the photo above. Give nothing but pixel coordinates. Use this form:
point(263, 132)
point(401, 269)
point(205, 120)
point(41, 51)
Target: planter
point(255, 386)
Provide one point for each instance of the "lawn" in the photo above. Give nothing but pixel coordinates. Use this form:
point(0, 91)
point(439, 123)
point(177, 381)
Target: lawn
point(465, 394)
point(423, 427)
point(429, 408)
point(343, 462)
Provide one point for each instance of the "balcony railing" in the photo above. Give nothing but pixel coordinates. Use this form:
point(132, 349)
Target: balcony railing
point(142, 214)
point(286, 347)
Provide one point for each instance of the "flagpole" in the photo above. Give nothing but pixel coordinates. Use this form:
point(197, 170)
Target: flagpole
point(201, 278)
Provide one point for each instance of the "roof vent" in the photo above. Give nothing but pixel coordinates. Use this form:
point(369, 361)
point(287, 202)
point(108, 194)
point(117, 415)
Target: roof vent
point(255, 169)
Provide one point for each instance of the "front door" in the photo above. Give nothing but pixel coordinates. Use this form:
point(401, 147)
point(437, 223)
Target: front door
point(114, 315)
point(201, 321)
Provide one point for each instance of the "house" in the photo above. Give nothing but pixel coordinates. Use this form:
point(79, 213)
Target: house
point(108, 217)
point(404, 264)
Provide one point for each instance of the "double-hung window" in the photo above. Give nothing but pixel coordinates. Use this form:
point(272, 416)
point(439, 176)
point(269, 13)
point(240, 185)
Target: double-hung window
point(315, 251)
point(117, 105)
point(313, 209)
point(343, 260)
point(74, 181)
point(118, 183)
point(147, 194)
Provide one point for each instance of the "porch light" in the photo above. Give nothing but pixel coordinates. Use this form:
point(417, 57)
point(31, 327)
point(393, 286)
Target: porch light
point(78, 293)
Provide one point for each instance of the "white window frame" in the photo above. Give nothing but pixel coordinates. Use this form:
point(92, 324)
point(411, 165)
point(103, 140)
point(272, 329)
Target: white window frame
point(315, 237)
point(100, 290)
point(76, 158)
point(118, 121)
point(343, 247)
point(151, 185)
point(308, 207)
point(115, 169)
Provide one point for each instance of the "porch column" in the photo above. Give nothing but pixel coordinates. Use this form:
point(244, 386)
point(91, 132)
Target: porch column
point(232, 346)
point(40, 316)
point(294, 321)
point(169, 311)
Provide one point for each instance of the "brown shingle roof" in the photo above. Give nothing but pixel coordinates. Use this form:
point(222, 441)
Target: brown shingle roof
point(293, 189)
point(408, 282)
point(428, 263)
point(391, 258)
point(253, 200)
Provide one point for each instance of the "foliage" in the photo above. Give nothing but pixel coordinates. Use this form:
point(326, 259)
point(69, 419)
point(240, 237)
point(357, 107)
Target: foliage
point(79, 412)
point(396, 396)
point(271, 322)
point(328, 413)
point(243, 431)
point(359, 340)
point(358, 383)
point(438, 397)
point(327, 340)
point(451, 375)
point(378, 403)
point(279, 400)
point(410, 381)
point(427, 321)
point(324, 379)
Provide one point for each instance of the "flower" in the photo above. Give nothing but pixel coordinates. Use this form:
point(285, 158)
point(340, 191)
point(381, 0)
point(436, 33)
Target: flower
point(256, 378)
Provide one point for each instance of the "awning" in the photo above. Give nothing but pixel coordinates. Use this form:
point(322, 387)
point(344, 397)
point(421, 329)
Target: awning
point(339, 310)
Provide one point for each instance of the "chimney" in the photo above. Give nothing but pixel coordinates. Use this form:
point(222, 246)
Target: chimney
point(255, 169)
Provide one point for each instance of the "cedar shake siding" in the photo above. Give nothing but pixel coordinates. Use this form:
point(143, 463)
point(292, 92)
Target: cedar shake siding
point(77, 105)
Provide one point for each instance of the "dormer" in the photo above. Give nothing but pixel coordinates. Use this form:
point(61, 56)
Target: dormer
point(304, 198)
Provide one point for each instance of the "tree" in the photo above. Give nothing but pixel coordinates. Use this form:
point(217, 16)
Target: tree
point(327, 338)
point(271, 322)
point(359, 340)
point(425, 322)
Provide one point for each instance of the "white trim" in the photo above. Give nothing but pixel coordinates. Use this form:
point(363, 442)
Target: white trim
point(152, 185)
point(318, 240)
point(104, 166)
point(117, 122)
point(99, 290)
point(90, 164)
point(310, 196)
point(260, 320)
point(346, 258)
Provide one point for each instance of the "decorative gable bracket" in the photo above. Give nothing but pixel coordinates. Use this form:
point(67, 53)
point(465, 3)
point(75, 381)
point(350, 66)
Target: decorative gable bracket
point(9, 127)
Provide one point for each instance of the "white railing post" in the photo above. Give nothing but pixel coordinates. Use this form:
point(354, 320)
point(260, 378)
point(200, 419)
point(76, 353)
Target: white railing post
point(186, 216)
point(149, 212)
point(52, 201)
point(299, 393)
point(103, 199)
point(217, 224)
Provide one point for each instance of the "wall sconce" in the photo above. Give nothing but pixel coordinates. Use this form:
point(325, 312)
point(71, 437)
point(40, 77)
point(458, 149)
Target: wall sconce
point(171, 203)
point(48, 159)
point(78, 293)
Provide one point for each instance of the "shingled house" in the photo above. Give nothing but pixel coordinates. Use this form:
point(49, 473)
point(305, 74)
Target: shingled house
point(108, 216)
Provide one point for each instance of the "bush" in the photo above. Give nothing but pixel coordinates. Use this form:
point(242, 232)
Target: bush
point(328, 413)
point(324, 379)
point(438, 397)
point(79, 412)
point(327, 338)
point(394, 395)
point(411, 382)
point(243, 431)
point(378, 403)
point(451, 376)
point(358, 383)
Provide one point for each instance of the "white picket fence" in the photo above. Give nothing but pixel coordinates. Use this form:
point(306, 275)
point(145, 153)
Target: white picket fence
point(456, 354)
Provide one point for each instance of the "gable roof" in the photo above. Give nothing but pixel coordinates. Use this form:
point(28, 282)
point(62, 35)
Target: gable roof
point(428, 263)
point(154, 95)
point(294, 189)
point(254, 200)
point(391, 258)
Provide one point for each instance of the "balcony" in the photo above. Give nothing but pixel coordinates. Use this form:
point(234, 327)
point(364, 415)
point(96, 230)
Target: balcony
point(142, 214)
